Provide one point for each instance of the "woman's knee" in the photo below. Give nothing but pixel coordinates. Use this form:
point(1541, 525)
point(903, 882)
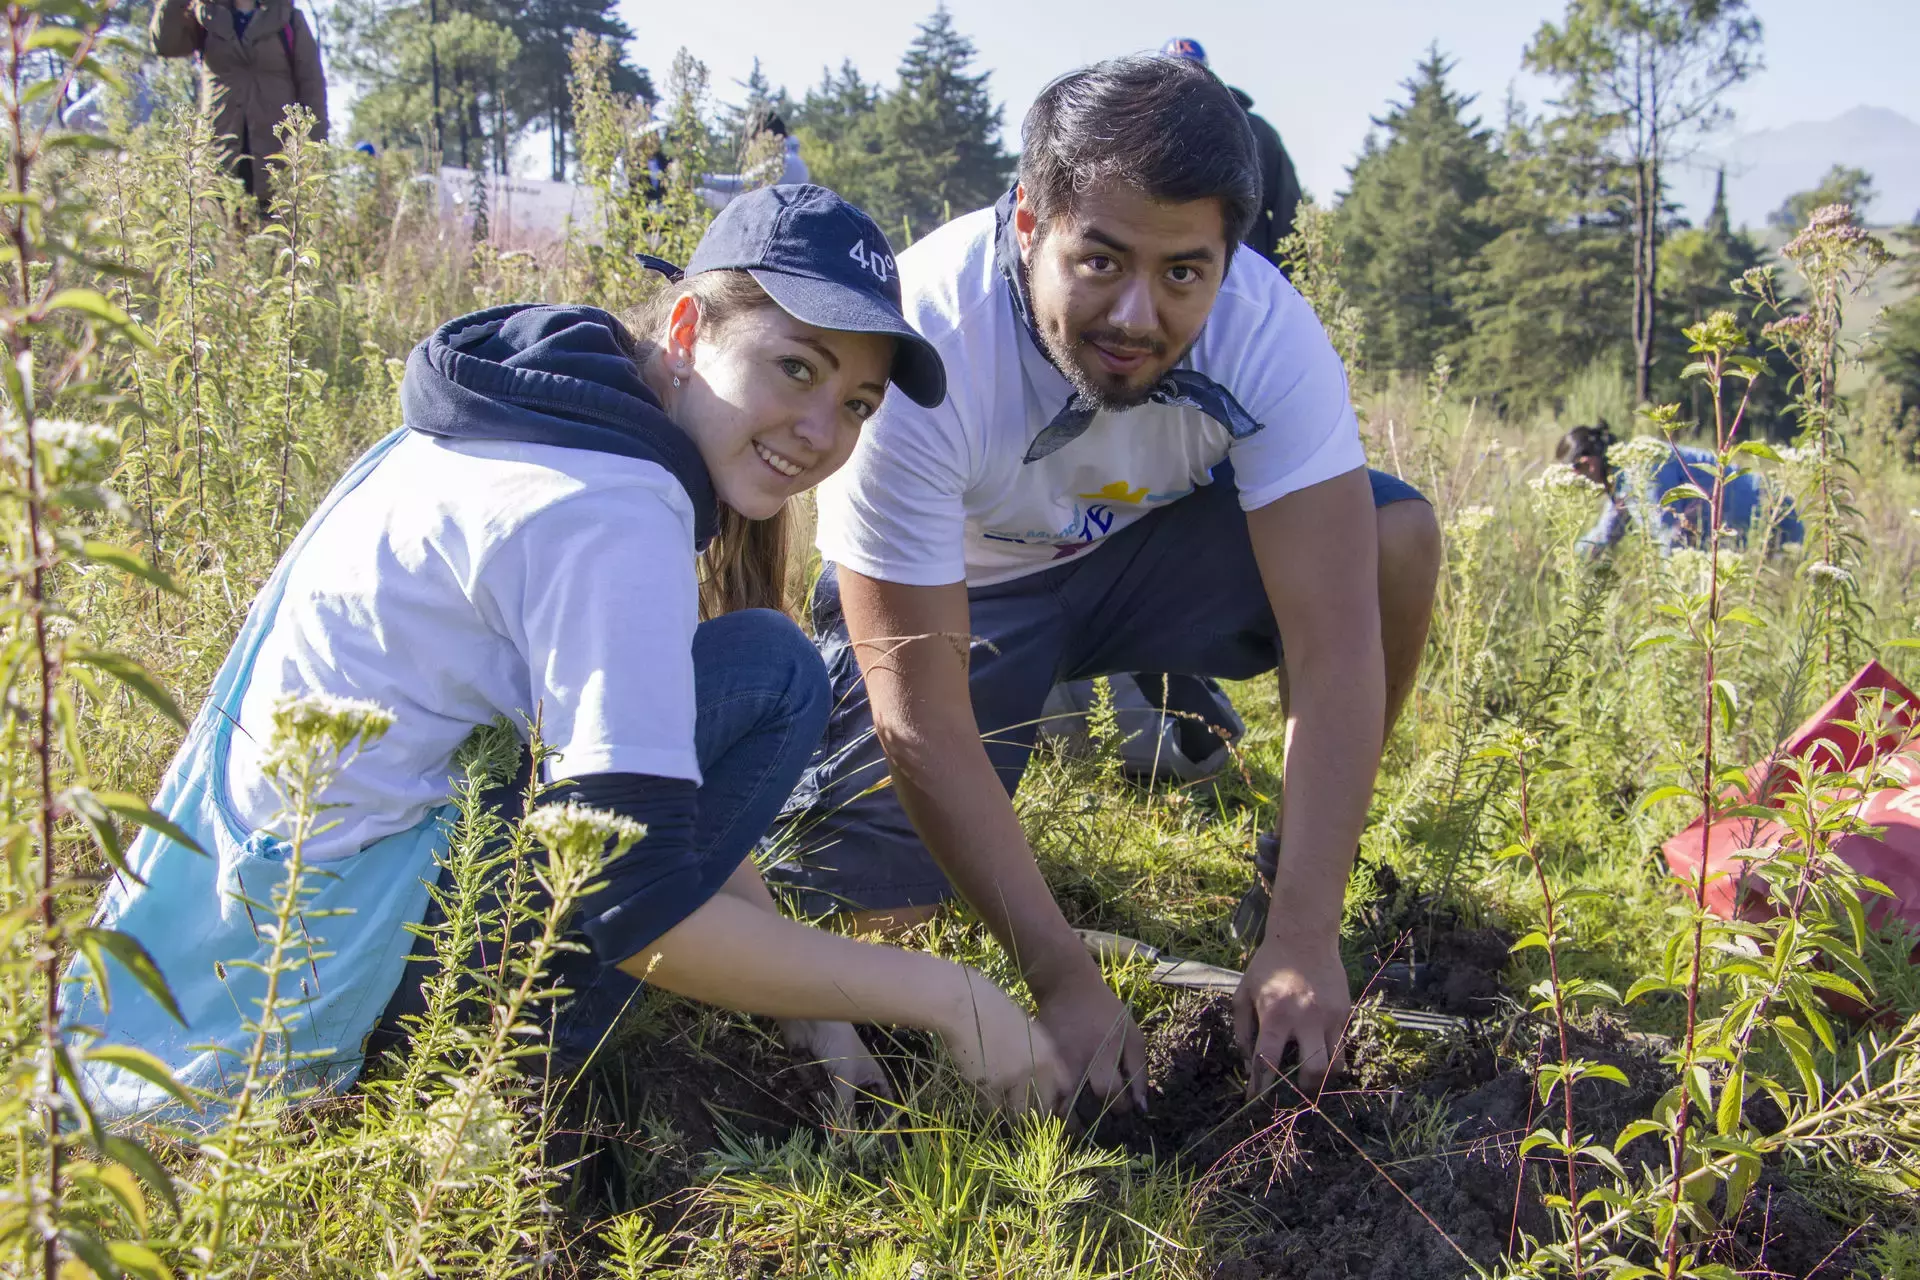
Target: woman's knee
point(763, 654)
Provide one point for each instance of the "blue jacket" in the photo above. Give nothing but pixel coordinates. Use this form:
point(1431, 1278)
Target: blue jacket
point(1684, 523)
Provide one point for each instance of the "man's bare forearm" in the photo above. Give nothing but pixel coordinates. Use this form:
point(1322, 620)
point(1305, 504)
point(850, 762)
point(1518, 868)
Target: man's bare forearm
point(1333, 753)
point(957, 803)
point(904, 639)
point(1319, 558)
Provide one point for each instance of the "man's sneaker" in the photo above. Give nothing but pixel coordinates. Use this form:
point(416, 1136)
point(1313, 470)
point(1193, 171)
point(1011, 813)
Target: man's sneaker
point(1249, 924)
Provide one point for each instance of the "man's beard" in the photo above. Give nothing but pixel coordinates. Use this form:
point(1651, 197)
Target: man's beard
point(1107, 397)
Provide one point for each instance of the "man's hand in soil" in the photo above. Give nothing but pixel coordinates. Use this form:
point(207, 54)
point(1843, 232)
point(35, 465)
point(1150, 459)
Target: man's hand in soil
point(1295, 992)
point(1098, 1042)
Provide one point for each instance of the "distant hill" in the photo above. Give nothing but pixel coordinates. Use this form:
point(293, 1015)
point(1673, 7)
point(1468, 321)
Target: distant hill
point(1767, 166)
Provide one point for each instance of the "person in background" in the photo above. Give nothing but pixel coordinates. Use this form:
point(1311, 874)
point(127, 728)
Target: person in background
point(717, 189)
point(583, 523)
point(1279, 184)
point(257, 58)
point(1682, 523)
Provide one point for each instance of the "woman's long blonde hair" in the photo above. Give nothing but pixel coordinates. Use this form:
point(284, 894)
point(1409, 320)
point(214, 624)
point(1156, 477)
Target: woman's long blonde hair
point(745, 566)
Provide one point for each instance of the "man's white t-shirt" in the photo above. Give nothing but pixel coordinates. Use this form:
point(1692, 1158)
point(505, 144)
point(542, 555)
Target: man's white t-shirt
point(936, 496)
point(462, 581)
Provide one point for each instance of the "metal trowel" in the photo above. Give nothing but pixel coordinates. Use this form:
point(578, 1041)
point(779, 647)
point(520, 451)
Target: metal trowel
point(1191, 975)
point(1168, 971)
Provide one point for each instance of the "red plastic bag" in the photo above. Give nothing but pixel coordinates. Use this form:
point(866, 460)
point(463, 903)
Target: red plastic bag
point(1892, 858)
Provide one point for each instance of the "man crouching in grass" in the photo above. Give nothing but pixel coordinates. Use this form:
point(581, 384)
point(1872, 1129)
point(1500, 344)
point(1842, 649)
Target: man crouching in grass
point(1147, 461)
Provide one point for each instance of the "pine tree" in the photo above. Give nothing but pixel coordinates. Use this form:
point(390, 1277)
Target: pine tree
point(924, 151)
point(430, 73)
point(1652, 73)
point(837, 107)
point(740, 143)
point(1552, 293)
point(475, 74)
point(1896, 351)
point(1412, 221)
point(838, 127)
point(1701, 264)
point(1841, 185)
point(942, 129)
point(538, 84)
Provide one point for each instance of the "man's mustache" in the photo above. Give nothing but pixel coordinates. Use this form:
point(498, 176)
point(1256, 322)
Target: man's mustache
point(1114, 340)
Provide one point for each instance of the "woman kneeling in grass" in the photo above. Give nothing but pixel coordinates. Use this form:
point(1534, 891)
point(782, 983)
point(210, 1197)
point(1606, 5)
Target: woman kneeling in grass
point(526, 546)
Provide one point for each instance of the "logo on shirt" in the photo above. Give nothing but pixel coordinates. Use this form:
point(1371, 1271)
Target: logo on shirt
point(1118, 491)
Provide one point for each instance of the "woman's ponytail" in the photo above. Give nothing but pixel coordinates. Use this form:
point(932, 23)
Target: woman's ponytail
point(745, 566)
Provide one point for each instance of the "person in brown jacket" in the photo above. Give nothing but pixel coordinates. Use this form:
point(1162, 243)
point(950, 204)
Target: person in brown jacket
point(257, 58)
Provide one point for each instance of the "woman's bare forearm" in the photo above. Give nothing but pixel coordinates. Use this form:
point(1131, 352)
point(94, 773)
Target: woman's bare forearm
point(734, 954)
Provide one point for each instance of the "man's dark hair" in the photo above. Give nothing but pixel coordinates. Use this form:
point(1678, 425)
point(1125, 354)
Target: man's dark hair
point(1584, 442)
point(1166, 126)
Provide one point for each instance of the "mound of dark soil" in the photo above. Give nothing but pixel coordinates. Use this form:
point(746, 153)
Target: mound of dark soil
point(1417, 1173)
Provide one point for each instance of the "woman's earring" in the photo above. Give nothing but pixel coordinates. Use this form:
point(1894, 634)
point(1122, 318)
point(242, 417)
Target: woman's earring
point(676, 380)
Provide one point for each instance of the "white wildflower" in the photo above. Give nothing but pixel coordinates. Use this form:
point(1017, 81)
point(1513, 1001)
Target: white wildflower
point(1561, 478)
point(1642, 453)
point(1688, 568)
point(330, 717)
point(1825, 571)
point(1797, 455)
point(68, 450)
point(580, 827)
point(468, 1129)
point(321, 725)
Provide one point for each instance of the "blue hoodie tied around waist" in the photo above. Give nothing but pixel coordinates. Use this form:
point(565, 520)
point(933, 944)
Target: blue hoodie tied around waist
point(565, 376)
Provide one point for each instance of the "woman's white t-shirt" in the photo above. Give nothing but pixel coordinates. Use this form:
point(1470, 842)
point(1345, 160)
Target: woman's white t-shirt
point(462, 581)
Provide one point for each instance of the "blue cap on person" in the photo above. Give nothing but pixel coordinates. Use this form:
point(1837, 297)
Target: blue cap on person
point(1185, 47)
point(827, 263)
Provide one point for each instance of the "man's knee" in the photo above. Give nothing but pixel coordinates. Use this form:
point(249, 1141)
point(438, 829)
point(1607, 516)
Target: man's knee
point(1411, 552)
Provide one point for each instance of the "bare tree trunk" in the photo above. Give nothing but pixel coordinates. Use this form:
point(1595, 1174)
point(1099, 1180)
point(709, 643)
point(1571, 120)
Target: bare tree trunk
point(1642, 284)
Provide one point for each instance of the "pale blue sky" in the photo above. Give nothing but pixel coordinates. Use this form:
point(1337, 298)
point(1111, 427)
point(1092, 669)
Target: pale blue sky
point(1317, 70)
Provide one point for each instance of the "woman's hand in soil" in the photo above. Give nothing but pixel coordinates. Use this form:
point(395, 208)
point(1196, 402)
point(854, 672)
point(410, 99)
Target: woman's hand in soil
point(837, 1049)
point(1007, 1054)
point(1294, 992)
point(1099, 1041)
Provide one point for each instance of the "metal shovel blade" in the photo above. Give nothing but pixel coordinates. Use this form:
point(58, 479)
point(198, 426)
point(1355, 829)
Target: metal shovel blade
point(1168, 971)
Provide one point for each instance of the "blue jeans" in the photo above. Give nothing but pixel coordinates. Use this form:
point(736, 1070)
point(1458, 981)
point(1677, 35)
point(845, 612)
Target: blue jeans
point(760, 695)
point(1177, 592)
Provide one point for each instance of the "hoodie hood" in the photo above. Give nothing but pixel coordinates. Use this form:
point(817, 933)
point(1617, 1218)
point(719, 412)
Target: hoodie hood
point(566, 376)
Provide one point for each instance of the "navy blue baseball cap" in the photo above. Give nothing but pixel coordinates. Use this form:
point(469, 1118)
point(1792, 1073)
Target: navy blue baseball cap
point(827, 263)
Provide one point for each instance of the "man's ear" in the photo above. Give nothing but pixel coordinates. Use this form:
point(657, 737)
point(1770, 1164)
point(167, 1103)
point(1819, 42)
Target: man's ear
point(1025, 222)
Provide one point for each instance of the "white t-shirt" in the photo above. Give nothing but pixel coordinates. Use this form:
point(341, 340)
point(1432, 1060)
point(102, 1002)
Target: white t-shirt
point(935, 496)
point(464, 581)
